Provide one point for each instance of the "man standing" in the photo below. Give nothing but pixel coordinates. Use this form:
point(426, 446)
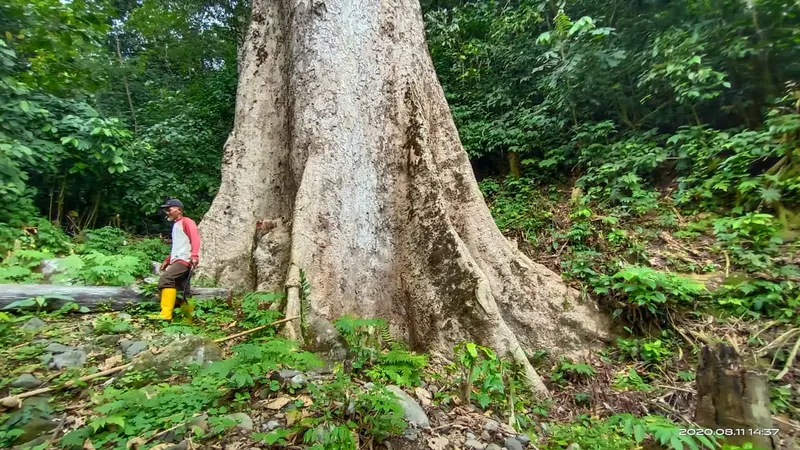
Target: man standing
point(184, 256)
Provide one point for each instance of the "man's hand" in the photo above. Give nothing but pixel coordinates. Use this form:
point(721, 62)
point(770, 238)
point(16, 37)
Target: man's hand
point(164, 266)
point(195, 261)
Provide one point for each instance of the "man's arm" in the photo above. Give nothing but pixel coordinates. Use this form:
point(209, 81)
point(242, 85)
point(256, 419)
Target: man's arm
point(190, 228)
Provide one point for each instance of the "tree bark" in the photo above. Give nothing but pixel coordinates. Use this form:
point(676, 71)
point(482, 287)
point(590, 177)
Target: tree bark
point(92, 297)
point(344, 162)
point(730, 396)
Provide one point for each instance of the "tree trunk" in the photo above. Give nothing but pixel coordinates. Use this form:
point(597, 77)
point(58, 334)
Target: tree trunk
point(345, 154)
point(730, 396)
point(89, 296)
point(513, 164)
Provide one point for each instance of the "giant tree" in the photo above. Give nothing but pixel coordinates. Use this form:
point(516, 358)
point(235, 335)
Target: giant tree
point(344, 163)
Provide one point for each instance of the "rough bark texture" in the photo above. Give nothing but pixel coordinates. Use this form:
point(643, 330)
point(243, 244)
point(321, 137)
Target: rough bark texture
point(730, 396)
point(345, 163)
point(92, 297)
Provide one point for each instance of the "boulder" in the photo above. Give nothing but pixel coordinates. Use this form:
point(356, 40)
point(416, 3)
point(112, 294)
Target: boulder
point(72, 358)
point(26, 381)
point(288, 374)
point(574, 446)
point(108, 339)
point(34, 419)
point(34, 324)
point(58, 348)
point(512, 444)
point(132, 348)
point(179, 354)
point(271, 425)
point(493, 446)
point(124, 316)
point(414, 414)
point(299, 380)
point(243, 421)
point(324, 339)
point(472, 444)
point(50, 267)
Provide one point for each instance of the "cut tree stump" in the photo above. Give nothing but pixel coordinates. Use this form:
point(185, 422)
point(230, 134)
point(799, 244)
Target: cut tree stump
point(92, 297)
point(733, 397)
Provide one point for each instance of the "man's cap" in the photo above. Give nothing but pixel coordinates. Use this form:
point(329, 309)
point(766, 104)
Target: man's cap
point(172, 202)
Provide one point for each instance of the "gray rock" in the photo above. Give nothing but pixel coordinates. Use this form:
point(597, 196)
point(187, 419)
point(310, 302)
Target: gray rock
point(299, 380)
point(414, 414)
point(182, 445)
point(524, 439)
point(323, 339)
point(243, 421)
point(124, 316)
point(512, 444)
point(491, 425)
point(271, 425)
point(72, 358)
point(155, 267)
point(369, 385)
point(470, 435)
point(486, 436)
point(179, 354)
point(411, 434)
point(200, 422)
point(493, 446)
point(49, 267)
point(574, 446)
point(34, 419)
point(26, 381)
point(108, 339)
point(135, 348)
point(287, 374)
point(58, 348)
point(34, 324)
point(474, 445)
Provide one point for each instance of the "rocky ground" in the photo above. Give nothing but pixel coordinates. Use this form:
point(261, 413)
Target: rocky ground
point(56, 350)
point(51, 350)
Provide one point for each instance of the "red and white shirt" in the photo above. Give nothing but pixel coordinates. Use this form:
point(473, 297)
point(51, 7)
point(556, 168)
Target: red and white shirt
point(185, 242)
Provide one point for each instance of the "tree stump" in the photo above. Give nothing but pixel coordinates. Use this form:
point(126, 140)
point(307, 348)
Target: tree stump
point(733, 398)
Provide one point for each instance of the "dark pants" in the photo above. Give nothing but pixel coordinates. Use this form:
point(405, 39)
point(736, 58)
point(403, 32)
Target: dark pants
point(174, 277)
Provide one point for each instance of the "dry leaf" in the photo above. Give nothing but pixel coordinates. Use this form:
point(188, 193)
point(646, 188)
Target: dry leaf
point(133, 443)
point(278, 403)
point(11, 402)
point(437, 443)
point(306, 400)
point(113, 361)
point(87, 445)
point(162, 447)
point(292, 417)
point(423, 396)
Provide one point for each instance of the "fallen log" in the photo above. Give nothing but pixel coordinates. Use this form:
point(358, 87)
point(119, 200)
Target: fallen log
point(92, 297)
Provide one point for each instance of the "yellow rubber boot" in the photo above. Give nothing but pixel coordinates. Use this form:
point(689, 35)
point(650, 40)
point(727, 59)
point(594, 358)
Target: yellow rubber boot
point(168, 296)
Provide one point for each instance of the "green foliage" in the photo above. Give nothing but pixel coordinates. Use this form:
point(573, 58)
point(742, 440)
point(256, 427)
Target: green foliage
point(252, 363)
point(344, 411)
point(650, 292)
point(378, 355)
point(631, 380)
point(259, 309)
point(756, 298)
point(660, 430)
point(108, 324)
